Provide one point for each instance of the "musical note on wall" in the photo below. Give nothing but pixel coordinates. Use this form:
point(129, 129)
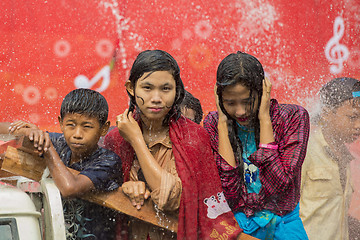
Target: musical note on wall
point(82, 81)
point(335, 52)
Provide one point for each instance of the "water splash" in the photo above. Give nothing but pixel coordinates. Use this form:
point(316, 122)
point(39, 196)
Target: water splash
point(162, 218)
point(121, 26)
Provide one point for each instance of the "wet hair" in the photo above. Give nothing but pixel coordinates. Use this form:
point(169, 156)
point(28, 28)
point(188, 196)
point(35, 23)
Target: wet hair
point(338, 90)
point(86, 102)
point(333, 94)
point(191, 102)
point(245, 69)
point(150, 61)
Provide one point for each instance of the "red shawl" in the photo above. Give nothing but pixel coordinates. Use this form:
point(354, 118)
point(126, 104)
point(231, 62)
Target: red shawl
point(203, 213)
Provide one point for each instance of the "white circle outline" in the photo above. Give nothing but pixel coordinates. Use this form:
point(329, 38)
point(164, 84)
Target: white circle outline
point(51, 93)
point(203, 29)
point(62, 48)
point(27, 95)
point(100, 50)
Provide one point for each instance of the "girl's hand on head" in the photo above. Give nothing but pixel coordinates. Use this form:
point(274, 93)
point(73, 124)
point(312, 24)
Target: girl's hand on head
point(16, 126)
point(264, 109)
point(129, 129)
point(222, 116)
point(137, 192)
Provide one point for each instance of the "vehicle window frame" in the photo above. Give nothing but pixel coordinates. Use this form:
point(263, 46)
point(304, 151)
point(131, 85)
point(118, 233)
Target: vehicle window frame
point(13, 227)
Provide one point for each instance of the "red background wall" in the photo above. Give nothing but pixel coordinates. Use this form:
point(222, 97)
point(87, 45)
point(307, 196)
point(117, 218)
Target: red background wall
point(47, 46)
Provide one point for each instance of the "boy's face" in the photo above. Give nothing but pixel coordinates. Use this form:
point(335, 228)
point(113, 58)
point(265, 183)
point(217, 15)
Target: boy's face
point(344, 122)
point(82, 133)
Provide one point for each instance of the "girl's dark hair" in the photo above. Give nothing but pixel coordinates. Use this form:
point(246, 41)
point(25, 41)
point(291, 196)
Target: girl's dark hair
point(193, 103)
point(87, 102)
point(150, 61)
point(245, 69)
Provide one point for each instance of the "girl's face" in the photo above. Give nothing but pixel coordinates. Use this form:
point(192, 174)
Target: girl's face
point(154, 94)
point(237, 103)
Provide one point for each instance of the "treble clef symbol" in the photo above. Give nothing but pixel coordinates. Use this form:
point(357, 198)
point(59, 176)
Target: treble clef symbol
point(335, 52)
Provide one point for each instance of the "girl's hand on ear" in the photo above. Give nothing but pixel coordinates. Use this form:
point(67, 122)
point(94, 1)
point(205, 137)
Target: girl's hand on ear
point(222, 116)
point(264, 109)
point(129, 129)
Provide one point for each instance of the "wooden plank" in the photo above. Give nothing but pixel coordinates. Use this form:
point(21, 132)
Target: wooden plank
point(14, 141)
point(8, 178)
point(24, 164)
point(9, 140)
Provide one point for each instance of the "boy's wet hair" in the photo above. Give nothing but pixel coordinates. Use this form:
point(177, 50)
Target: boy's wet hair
point(339, 90)
point(86, 102)
point(191, 102)
point(245, 69)
point(150, 61)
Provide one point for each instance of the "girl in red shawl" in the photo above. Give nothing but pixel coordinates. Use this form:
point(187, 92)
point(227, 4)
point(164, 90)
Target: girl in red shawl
point(168, 157)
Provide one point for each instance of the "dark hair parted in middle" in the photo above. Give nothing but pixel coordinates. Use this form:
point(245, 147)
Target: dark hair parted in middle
point(86, 102)
point(245, 69)
point(150, 61)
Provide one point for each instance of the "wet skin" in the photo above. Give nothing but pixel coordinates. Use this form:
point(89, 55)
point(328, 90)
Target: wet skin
point(189, 113)
point(342, 124)
point(237, 103)
point(154, 94)
point(81, 133)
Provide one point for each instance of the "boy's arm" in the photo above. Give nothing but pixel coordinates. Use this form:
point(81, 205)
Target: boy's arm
point(17, 127)
point(27, 129)
point(69, 185)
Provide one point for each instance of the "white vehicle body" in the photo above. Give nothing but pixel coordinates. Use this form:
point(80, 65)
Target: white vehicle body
point(31, 211)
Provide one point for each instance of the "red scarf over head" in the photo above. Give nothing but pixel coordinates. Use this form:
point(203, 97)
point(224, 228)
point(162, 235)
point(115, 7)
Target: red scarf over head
point(203, 212)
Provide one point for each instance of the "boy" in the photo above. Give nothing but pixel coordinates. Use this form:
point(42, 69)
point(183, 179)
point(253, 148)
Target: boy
point(83, 120)
point(325, 184)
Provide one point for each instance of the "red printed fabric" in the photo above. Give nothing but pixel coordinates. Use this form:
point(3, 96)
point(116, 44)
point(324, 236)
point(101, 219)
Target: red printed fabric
point(203, 212)
point(279, 169)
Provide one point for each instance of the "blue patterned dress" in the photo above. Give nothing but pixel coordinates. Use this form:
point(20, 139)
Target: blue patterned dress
point(264, 224)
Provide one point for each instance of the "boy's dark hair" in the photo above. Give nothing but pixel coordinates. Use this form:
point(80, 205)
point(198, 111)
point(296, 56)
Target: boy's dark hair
point(87, 102)
point(150, 61)
point(245, 69)
point(338, 90)
point(193, 103)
